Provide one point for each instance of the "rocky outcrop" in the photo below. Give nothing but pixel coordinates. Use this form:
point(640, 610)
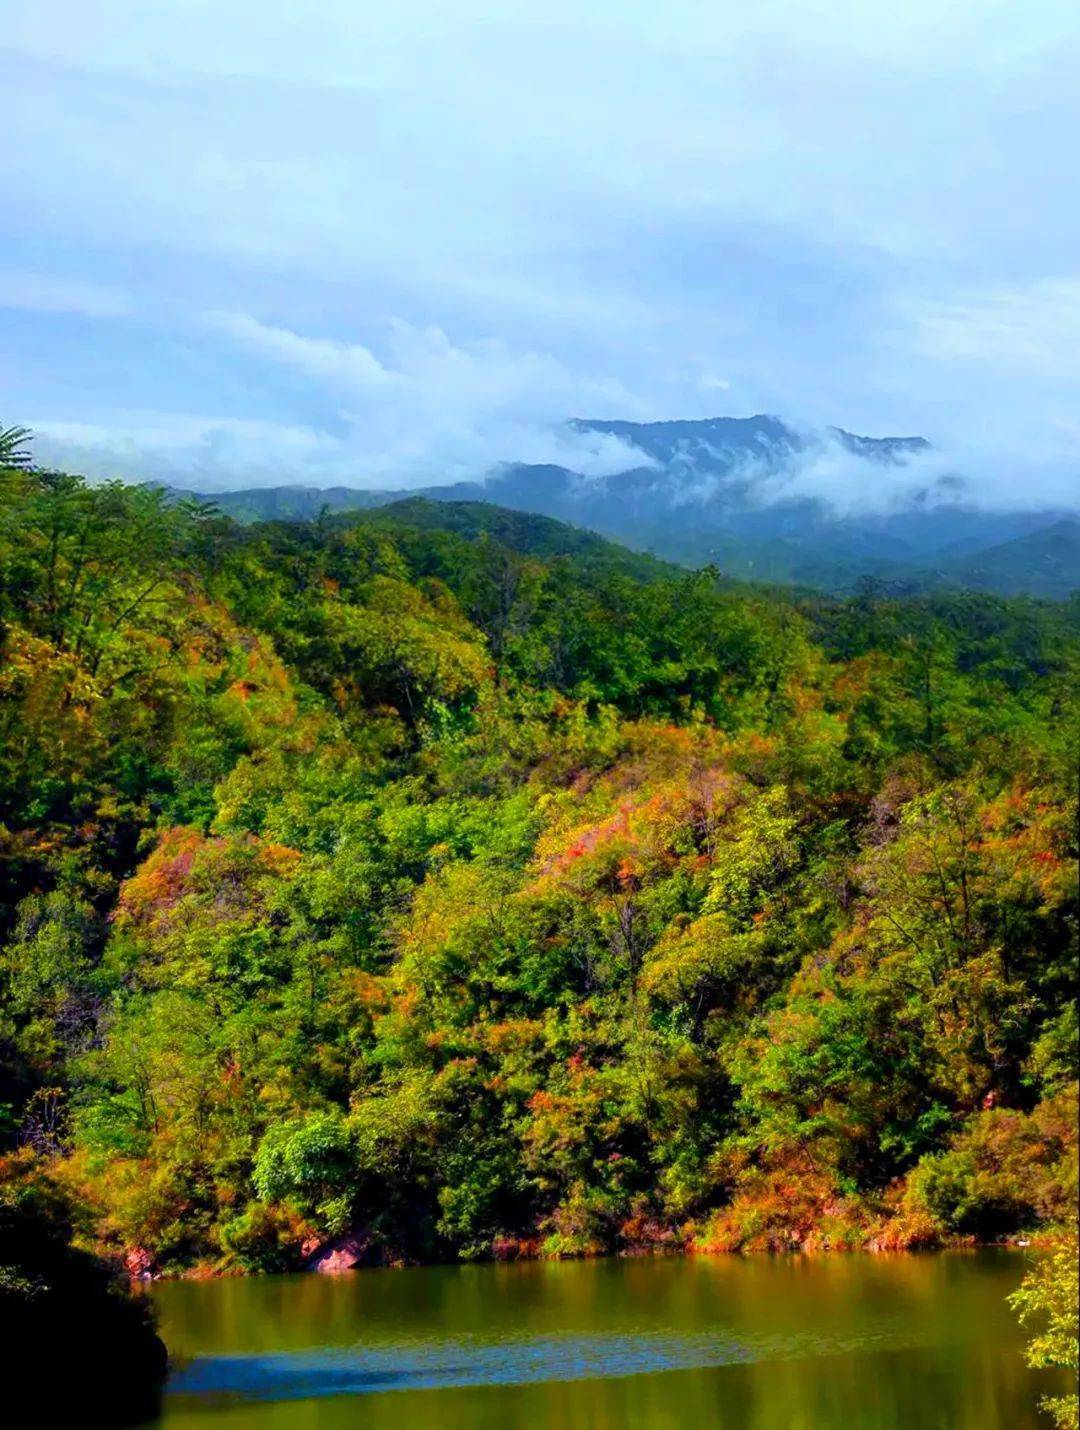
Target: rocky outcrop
point(345, 1253)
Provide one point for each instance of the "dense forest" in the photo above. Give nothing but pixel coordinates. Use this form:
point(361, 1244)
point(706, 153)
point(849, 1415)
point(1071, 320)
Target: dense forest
point(445, 880)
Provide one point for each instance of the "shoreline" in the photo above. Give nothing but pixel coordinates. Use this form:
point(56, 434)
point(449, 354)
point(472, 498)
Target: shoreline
point(1042, 1240)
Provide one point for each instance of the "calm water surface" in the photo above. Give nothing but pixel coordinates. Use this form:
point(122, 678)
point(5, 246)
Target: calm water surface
point(825, 1343)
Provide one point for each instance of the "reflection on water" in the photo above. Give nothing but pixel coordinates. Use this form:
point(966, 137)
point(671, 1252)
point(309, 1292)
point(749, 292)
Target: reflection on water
point(763, 1343)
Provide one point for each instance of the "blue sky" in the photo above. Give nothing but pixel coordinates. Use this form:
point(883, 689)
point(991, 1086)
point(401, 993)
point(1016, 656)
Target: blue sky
point(377, 243)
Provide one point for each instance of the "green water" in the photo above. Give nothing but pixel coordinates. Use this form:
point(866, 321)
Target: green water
point(759, 1343)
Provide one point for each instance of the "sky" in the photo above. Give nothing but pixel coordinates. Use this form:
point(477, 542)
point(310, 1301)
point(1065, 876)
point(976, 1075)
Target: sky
point(394, 242)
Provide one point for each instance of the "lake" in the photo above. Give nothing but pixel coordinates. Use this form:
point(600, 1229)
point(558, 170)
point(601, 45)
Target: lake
point(800, 1343)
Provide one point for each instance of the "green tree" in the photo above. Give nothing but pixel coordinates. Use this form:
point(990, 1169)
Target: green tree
point(15, 446)
point(1050, 1297)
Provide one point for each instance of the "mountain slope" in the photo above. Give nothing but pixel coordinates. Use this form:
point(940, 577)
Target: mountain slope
point(744, 494)
point(523, 532)
point(1043, 563)
point(377, 880)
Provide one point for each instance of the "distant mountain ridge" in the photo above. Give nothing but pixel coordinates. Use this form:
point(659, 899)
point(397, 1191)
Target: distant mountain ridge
point(731, 492)
point(729, 439)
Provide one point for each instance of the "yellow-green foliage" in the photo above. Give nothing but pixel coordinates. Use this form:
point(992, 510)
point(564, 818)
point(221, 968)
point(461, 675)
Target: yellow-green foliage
point(359, 877)
point(1050, 1298)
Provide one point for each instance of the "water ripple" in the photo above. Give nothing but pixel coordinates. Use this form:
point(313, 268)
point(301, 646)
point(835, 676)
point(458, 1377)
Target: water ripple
point(445, 1363)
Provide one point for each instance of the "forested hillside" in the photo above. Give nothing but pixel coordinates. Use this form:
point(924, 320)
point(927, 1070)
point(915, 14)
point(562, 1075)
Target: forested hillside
point(493, 892)
point(751, 496)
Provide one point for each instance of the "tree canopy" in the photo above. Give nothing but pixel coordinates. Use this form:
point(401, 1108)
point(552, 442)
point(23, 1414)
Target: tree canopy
point(480, 893)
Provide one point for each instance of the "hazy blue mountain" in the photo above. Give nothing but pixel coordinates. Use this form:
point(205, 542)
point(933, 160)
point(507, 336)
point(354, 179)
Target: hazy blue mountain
point(292, 503)
point(730, 492)
point(1043, 563)
point(725, 443)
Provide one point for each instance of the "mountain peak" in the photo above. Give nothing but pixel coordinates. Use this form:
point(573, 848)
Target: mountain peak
point(759, 497)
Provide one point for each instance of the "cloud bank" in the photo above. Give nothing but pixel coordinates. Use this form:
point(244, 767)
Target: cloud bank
point(403, 243)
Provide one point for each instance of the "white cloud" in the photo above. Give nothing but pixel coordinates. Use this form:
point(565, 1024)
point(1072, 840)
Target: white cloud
point(984, 470)
point(347, 365)
point(615, 209)
point(830, 472)
point(1034, 327)
point(202, 452)
point(212, 453)
point(421, 410)
point(32, 292)
point(424, 408)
